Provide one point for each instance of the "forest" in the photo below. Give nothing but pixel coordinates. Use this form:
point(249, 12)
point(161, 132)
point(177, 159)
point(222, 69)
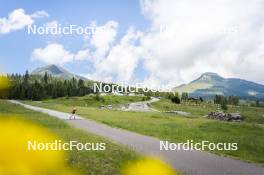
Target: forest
point(37, 87)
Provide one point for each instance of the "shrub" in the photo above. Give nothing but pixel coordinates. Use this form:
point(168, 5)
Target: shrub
point(176, 99)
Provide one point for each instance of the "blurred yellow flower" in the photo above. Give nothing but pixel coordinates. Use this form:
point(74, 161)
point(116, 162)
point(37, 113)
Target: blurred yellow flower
point(4, 83)
point(16, 159)
point(148, 166)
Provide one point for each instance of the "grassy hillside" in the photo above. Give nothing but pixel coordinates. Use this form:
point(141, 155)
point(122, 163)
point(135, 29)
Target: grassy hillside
point(176, 128)
point(86, 162)
point(210, 84)
point(192, 87)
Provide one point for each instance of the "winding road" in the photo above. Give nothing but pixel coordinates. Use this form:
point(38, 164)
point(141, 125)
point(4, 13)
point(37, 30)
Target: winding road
point(188, 162)
point(142, 106)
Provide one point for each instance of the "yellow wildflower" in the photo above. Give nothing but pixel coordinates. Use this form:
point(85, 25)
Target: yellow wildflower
point(4, 83)
point(148, 166)
point(17, 159)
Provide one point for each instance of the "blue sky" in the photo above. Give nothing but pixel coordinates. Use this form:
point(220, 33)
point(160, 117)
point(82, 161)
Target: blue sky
point(155, 42)
point(16, 46)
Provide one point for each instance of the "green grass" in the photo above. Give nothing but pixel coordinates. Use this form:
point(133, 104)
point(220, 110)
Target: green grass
point(189, 88)
point(249, 114)
point(86, 162)
point(92, 101)
point(175, 128)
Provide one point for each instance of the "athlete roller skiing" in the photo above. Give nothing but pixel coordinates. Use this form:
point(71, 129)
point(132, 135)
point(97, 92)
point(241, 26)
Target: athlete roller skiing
point(73, 114)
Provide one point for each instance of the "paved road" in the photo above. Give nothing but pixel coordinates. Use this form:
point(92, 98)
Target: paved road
point(189, 162)
point(142, 106)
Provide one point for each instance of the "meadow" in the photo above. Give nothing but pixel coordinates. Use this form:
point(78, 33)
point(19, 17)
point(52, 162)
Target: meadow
point(106, 162)
point(249, 134)
point(250, 114)
point(96, 101)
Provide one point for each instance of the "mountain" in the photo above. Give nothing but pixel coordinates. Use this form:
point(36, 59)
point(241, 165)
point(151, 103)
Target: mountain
point(210, 84)
point(56, 71)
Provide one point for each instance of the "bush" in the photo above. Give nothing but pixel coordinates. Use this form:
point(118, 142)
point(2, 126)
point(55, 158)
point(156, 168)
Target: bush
point(146, 98)
point(176, 99)
point(97, 97)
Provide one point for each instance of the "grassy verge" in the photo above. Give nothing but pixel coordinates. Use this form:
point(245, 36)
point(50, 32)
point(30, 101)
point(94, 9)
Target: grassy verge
point(174, 128)
point(87, 162)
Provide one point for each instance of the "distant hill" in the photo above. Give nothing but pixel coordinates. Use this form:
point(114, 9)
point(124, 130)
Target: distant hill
point(56, 71)
point(210, 84)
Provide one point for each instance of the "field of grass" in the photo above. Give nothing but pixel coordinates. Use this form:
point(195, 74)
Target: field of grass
point(86, 162)
point(95, 101)
point(249, 114)
point(176, 128)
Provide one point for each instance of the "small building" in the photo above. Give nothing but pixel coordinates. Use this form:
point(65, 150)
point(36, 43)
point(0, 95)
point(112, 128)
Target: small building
point(131, 94)
point(103, 94)
point(106, 107)
point(117, 93)
point(193, 99)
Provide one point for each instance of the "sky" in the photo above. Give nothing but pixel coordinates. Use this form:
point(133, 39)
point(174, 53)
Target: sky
point(154, 42)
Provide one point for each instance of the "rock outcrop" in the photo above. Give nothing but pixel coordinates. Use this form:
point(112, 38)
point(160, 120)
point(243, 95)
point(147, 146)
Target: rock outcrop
point(224, 116)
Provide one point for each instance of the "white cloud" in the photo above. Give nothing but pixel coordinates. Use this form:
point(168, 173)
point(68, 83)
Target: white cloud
point(18, 19)
point(40, 14)
point(83, 55)
point(53, 54)
point(220, 36)
point(120, 62)
point(103, 37)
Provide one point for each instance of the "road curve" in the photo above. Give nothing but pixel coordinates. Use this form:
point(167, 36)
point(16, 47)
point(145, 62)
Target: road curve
point(188, 162)
point(142, 106)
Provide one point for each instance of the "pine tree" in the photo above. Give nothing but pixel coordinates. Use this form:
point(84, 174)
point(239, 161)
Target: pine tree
point(81, 88)
point(45, 78)
point(257, 103)
point(184, 96)
point(224, 104)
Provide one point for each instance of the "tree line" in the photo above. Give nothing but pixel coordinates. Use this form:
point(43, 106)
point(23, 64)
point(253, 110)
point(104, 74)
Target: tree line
point(230, 100)
point(36, 87)
point(224, 101)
